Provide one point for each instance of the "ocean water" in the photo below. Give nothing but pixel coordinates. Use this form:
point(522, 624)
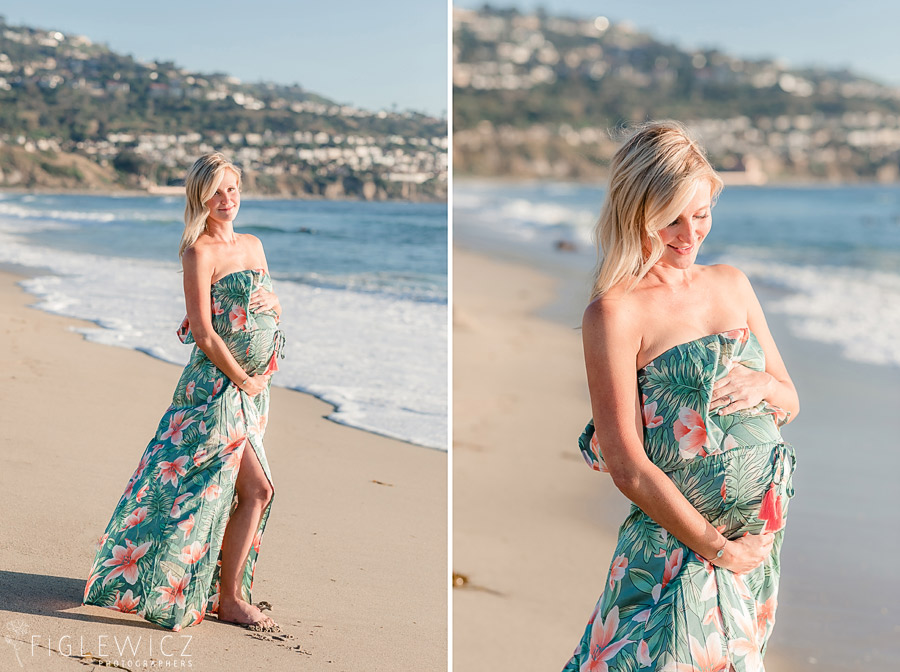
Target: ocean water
point(827, 261)
point(363, 287)
point(827, 257)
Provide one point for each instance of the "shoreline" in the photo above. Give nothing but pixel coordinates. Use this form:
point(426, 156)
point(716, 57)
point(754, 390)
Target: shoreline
point(27, 272)
point(516, 313)
point(249, 195)
point(354, 556)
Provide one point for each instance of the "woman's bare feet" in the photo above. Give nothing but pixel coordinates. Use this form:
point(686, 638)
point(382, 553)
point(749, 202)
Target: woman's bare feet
point(242, 613)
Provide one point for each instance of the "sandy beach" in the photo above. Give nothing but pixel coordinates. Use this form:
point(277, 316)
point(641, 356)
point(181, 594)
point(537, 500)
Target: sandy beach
point(354, 557)
point(534, 528)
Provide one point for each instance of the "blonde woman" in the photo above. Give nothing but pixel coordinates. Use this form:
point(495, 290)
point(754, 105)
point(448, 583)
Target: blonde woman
point(687, 394)
point(184, 537)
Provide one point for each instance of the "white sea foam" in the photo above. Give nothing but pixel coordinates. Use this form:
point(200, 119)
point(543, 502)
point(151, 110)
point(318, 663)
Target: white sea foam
point(381, 360)
point(854, 308)
point(14, 210)
point(529, 219)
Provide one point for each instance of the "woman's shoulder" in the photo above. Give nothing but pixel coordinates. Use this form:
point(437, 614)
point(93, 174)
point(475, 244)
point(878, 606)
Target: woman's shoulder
point(724, 272)
point(249, 240)
point(197, 255)
point(729, 277)
point(615, 311)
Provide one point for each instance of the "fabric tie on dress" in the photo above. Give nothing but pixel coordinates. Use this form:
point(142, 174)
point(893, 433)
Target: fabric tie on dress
point(783, 452)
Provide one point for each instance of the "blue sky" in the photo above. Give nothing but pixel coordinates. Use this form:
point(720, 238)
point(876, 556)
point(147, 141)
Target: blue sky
point(862, 35)
point(370, 54)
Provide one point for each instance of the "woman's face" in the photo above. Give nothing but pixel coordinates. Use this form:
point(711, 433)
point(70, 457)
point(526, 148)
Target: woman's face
point(682, 238)
point(225, 203)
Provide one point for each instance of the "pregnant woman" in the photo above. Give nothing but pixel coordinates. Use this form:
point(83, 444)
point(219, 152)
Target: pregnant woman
point(185, 535)
point(687, 393)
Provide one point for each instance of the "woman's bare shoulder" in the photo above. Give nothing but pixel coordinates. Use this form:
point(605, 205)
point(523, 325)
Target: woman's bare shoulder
point(616, 313)
point(726, 274)
point(249, 240)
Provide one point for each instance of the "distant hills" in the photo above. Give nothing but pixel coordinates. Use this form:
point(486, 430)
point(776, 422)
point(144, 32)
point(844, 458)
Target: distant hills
point(536, 95)
point(76, 115)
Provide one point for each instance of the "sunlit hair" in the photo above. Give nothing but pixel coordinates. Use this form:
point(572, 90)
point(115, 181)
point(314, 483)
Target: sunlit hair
point(652, 178)
point(199, 186)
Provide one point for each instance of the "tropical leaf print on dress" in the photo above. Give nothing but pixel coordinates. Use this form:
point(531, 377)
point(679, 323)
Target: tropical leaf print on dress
point(160, 554)
point(663, 606)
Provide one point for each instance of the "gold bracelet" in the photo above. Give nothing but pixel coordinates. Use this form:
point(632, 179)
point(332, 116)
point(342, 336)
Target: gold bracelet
point(241, 386)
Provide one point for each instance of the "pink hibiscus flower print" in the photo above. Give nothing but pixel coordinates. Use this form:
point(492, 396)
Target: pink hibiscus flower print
point(603, 648)
point(176, 505)
point(739, 335)
point(193, 553)
point(643, 654)
point(673, 566)
point(124, 561)
point(765, 612)
point(705, 658)
point(617, 571)
point(217, 308)
point(212, 492)
point(140, 493)
point(257, 538)
point(189, 390)
point(200, 456)
point(779, 414)
point(174, 592)
point(136, 517)
point(170, 471)
point(232, 453)
point(238, 318)
point(186, 526)
point(651, 420)
point(92, 579)
point(691, 434)
point(145, 460)
point(748, 646)
point(177, 425)
point(126, 603)
point(595, 449)
point(213, 603)
point(197, 615)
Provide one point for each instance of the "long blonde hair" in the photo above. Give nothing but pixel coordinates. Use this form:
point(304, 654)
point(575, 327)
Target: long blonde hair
point(199, 186)
point(652, 178)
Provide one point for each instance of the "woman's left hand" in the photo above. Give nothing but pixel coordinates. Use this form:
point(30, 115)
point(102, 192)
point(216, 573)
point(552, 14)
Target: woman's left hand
point(263, 301)
point(740, 388)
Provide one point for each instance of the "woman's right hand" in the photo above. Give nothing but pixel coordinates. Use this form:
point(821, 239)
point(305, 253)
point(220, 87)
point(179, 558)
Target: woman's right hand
point(255, 384)
point(746, 553)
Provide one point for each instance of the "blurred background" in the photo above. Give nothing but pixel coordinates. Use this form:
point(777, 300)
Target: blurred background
point(798, 106)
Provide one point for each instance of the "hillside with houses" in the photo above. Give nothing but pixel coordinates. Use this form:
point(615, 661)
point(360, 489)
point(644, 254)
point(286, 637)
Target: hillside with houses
point(538, 95)
point(76, 115)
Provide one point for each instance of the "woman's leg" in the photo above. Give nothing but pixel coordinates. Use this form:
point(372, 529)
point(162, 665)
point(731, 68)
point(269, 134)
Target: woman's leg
point(253, 493)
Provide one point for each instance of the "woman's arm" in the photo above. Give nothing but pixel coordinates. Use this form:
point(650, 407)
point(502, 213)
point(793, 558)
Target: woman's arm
point(262, 300)
point(611, 345)
point(198, 272)
point(746, 386)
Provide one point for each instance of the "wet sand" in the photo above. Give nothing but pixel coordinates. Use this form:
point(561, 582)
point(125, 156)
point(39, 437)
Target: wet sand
point(354, 558)
point(534, 528)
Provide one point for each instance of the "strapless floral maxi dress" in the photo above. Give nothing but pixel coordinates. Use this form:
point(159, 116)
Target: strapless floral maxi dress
point(664, 607)
point(160, 554)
